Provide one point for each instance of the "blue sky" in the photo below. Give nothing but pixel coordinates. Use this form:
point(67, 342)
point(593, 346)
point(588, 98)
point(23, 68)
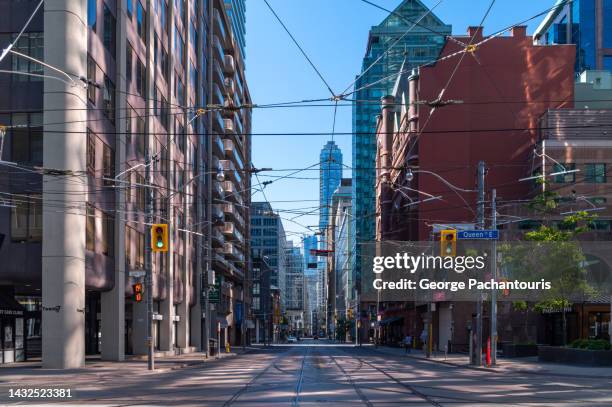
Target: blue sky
point(334, 34)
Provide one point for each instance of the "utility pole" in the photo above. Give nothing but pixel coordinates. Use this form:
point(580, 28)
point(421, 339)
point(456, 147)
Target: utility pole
point(494, 277)
point(480, 225)
point(149, 203)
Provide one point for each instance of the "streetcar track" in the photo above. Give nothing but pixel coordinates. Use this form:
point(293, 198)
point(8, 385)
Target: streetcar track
point(352, 382)
point(298, 387)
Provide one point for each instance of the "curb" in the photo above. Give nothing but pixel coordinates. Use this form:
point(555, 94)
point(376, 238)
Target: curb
point(500, 371)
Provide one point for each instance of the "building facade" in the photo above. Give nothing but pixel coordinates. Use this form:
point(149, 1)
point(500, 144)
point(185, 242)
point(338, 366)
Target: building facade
point(129, 148)
point(294, 290)
point(412, 168)
point(416, 44)
point(268, 243)
point(236, 10)
point(585, 23)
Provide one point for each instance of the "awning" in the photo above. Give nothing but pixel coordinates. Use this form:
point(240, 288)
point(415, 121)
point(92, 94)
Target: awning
point(390, 320)
point(10, 307)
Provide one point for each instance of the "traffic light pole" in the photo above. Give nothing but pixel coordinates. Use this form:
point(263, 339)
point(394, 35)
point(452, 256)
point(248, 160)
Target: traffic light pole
point(494, 277)
point(149, 203)
point(480, 225)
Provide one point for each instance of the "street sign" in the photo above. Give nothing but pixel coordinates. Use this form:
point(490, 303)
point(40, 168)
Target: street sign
point(136, 273)
point(478, 234)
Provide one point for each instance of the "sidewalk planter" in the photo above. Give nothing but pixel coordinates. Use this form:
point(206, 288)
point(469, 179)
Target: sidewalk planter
point(512, 350)
point(574, 356)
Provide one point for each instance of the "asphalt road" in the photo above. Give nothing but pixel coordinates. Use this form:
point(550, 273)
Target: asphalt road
point(313, 374)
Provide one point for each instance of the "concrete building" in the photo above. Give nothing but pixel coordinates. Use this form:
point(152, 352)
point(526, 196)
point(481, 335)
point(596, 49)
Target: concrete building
point(502, 133)
point(236, 11)
point(415, 43)
point(75, 234)
point(268, 244)
point(294, 289)
point(340, 274)
point(585, 23)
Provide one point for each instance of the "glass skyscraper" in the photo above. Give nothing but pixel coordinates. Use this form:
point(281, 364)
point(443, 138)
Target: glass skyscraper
point(421, 44)
point(584, 23)
point(236, 10)
point(330, 174)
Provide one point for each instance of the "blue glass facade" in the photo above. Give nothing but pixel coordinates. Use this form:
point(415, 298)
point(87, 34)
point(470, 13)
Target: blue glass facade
point(236, 10)
point(330, 174)
point(578, 23)
point(418, 47)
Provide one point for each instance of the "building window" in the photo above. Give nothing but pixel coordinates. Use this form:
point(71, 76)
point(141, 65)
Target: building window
point(109, 99)
point(165, 112)
point(92, 13)
point(128, 64)
point(91, 152)
point(130, 187)
point(180, 177)
point(256, 303)
point(140, 192)
point(141, 76)
point(107, 237)
point(26, 138)
point(129, 260)
point(564, 178)
point(140, 134)
point(26, 219)
point(141, 19)
point(140, 249)
point(110, 25)
point(92, 69)
point(29, 44)
point(90, 228)
point(256, 288)
point(130, 9)
point(595, 173)
point(164, 63)
point(108, 165)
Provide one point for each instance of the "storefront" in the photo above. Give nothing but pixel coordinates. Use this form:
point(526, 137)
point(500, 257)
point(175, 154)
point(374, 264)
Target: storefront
point(12, 344)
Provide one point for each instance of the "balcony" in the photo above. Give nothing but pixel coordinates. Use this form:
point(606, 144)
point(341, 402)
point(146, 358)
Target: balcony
point(231, 231)
point(231, 151)
point(218, 260)
point(230, 168)
point(231, 192)
point(232, 213)
point(218, 212)
point(217, 238)
point(228, 125)
point(232, 252)
point(230, 86)
point(218, 190)
point(229, 64)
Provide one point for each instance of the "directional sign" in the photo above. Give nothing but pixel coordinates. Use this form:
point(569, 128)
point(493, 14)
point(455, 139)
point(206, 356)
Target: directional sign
point(478, 234)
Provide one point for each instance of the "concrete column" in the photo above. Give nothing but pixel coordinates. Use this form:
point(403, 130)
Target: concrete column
point(64, 146)
point(183, 309)
point(113, 302)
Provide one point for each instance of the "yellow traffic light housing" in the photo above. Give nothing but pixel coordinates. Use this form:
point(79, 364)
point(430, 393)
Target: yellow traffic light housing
point(138, 291)
point(448, 243)
point(159, 237)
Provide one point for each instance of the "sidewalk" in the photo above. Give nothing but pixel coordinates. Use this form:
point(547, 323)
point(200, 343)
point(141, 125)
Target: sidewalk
point(529, 365)
point(132, 366)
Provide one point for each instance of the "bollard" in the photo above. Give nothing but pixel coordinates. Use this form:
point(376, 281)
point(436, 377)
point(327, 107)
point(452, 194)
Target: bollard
point(489, 351)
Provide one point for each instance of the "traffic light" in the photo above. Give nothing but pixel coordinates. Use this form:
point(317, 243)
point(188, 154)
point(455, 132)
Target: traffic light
point(159, 237)
point(137, 292)
point(448, 243)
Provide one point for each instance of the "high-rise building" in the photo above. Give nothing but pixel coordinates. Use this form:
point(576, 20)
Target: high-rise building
point(395, 40)
point(236, 10)
point(268, 243)
point(330, 174)
point(294, 289)
point(74, 237)
point(585, 23)
point(310, 260)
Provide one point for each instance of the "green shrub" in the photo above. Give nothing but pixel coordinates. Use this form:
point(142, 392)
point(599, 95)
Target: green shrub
point(591, 344)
